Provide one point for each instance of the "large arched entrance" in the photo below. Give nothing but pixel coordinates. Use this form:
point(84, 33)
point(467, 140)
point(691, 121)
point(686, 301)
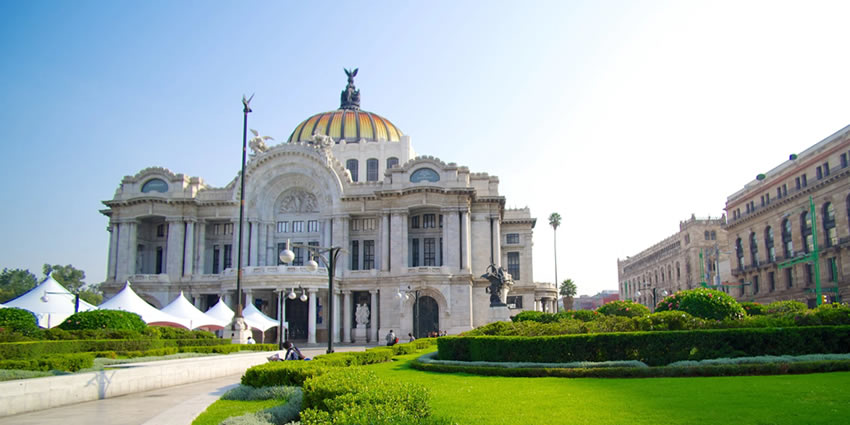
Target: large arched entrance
point(426, 317)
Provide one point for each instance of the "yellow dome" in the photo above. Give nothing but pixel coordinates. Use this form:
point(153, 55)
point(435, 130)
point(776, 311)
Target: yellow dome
point(351, 125)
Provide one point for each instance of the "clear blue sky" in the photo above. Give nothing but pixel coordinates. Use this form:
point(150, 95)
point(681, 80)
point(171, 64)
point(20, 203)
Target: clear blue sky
point(623, 116)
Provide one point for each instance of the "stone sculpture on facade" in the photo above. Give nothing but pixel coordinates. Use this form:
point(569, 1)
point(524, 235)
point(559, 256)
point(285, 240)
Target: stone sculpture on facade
point(500, 284)
point(361, 314)
point(258, 143)
point(298, 201)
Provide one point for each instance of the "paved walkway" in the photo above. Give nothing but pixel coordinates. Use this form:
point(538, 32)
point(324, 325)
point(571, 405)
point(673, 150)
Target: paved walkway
point(178, 405)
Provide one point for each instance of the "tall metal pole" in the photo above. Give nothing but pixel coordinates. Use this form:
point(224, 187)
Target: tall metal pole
point(246, 110)
point(331, 269)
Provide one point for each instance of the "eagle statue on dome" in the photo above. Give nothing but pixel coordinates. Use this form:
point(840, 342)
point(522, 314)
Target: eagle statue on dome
point(350, 97)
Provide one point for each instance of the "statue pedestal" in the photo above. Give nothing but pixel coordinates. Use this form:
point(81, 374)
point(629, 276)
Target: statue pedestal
point(360, 334)
point(238, 331)
point(498, 314)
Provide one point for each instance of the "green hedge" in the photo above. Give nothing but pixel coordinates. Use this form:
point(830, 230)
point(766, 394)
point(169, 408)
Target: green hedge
point(18, 320)
point(63, 362)
point(652, 348)
point(38, 349)
point(104, 319)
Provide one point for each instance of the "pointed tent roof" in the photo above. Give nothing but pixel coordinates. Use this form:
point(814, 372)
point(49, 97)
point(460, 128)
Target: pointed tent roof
point(50, 302)
point(181, 307)
point(253, 317)
point(256, 319)
point(128, 300)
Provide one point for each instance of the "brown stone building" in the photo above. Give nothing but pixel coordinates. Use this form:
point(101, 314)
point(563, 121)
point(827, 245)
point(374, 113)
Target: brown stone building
point(770, 223)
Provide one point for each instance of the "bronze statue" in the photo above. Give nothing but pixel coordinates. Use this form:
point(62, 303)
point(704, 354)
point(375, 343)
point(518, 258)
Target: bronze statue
point(350, 97)
point(499, 281)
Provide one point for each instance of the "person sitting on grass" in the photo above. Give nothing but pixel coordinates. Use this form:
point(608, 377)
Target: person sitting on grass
point(292, 353)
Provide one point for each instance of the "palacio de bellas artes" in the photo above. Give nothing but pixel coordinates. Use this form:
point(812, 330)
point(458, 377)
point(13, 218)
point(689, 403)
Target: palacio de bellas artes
point(416, 233)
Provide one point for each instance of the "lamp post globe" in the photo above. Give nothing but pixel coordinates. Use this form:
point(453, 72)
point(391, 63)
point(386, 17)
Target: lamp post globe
point(303, 297)
point(312, 265)
point(291, 294)
point(286, 256)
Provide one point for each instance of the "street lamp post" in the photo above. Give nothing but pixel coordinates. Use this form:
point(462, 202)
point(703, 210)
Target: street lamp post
point(238, 327)
point(330, 263)
point(655, 293)
point(75, 294)
point(405, 295)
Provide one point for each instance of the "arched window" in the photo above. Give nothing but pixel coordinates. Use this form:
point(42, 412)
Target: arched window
point(787, 244)
point(392, 162)
point(829, 225)
point(371, 170)
point(713, 235)
point(739, 252)
point(806, 231)
point(754, 250)
point(707, 235)
point(678, 271)
point(351, 165)
point(155, 185)
point(768, 244)
point(669, 272)
point(662, 275)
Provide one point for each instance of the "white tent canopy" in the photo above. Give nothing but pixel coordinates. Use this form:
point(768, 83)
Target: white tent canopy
point(128, 300)
point(181, 307)
point(253, 317)
point(50, 302)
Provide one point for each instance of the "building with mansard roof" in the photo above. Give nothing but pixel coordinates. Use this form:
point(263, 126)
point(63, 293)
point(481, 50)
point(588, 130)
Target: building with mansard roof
point(347, 178)
point(779, 250)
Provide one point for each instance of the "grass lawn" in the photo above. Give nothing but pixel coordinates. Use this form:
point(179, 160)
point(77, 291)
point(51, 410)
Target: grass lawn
point(223, 409)
point(783, 399)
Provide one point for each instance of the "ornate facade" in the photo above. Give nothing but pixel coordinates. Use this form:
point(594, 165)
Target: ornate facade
point(696, 254)
point(770, 224)
point(408, 224)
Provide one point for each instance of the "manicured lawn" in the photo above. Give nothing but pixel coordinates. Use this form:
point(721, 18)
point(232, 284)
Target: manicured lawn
point(784, 399)
point(223, 409)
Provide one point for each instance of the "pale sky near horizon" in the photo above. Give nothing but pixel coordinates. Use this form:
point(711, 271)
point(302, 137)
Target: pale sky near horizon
point(625, 117)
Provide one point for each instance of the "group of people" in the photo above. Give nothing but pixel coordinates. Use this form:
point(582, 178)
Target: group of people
point(393, 340)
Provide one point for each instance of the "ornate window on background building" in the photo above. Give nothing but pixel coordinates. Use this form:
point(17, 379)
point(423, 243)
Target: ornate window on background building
point(351, 166)
point(392, 162)
point(160, 230)
point(155, 185)
point(512, 239)
point(714, 235)
point(282, 226)
point(787, 242)
point(768, 244)
point(754, 250)
point(707, 235)
point(755, 284)
point(739, 253)
point(215, 259)
point(771, 281)
point(806, 231)
point(228, 256)
point(832, 262)
point(424, 175)
point(829, 225)
point(789, 278)
point(371, 170)
point(355, 255)
point(414, 252)
point(312, 226)
point(513, 265)
point(430, 251)
point(414, 222)
point(429, 221)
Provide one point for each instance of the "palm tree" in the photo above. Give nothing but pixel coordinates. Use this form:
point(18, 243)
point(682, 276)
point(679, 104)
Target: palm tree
point(568, 291)
point(555, 221)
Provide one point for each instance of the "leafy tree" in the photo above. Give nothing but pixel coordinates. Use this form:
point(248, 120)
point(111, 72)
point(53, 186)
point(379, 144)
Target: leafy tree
point(568, 291)
point(14, 283)
point(74, 279)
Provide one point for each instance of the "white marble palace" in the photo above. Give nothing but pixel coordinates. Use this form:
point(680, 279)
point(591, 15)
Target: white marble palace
point(346, 178)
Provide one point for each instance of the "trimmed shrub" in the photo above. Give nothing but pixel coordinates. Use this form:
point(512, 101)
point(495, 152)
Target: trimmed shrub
point(652, 348)
point(13, 319)
point(786, 307)
point(703, 302)
point(282, 414)
point(583, 315)
point(534, 316)
point(62, 362)
point(827, 314)
point(248, 393)
point(286, 373)
point(167, 332)
point(104, 319)
point(626, 308)
point(754, 309)
point(669, 321)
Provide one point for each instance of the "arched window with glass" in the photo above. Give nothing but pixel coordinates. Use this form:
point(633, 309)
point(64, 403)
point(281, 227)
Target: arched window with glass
point(806, 231)
point(707, 237)
point(351, 166)
point(768, 244)
point(739, 253)
point(829, 225)
point(371, 170)
point(754, 250)
point(392, 162)
point(787, 243)
point(713, 235)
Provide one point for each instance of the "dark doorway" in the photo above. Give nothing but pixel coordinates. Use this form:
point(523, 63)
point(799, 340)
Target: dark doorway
point(428, 314)
point(296, 316)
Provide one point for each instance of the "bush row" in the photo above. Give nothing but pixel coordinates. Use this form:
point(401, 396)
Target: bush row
point(652, 348)
point(37, 349)
point(644, 372)
point(295, 373)
point(64, 362)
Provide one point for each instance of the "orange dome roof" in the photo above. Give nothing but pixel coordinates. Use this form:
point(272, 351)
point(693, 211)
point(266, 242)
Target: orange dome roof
point(351, 125)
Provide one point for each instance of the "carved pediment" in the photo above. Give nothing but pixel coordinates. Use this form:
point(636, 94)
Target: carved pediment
point(298, 200)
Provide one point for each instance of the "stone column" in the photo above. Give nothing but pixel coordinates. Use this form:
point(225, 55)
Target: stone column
point(340, 239)
point(113, 250)
point(174, 249)
point(497, 241)
point(465, 233)
point(399, 243)
point(346, 316)
point(373, 317)
point(537, 305)
point(201, 252)
point(311, 316)
point(131, 247)
point(255, 243)
point(227, 297)
point(198, 302)
point(336, 317)
point(451, 241)
point(189, 249)
point(384, 243)
point(262, 235)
